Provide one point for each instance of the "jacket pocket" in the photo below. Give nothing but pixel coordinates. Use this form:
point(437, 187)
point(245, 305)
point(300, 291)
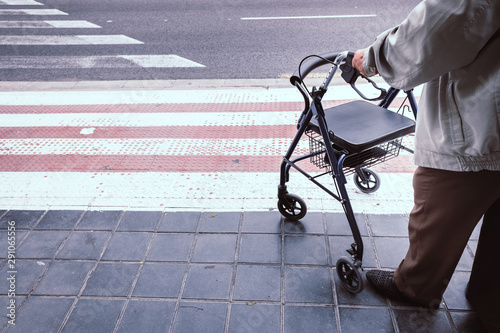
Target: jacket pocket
point(455, 119)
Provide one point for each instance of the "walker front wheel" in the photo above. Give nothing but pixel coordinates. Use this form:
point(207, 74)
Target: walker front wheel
point(368, 182)
point(294, 209)
point(349, 275)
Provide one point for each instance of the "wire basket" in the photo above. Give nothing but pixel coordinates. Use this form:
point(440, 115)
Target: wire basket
point(366, 158)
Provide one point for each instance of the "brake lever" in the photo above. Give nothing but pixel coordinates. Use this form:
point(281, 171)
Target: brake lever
point(351, 74)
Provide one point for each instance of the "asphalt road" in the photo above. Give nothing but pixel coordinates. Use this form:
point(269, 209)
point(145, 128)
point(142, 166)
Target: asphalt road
point(231, 39)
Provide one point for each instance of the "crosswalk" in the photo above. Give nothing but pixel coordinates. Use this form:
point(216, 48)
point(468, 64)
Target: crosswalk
point(168, 149)
point(19, 37)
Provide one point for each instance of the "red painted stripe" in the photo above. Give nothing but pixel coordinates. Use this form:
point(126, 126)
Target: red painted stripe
point(140, 163)
point(174, 132)
point(166, 108)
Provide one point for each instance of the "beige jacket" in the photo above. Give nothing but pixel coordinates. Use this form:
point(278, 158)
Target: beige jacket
point(453, 46)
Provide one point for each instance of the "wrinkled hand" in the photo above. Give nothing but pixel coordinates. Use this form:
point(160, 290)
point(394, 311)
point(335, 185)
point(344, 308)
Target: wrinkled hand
point(357, 61)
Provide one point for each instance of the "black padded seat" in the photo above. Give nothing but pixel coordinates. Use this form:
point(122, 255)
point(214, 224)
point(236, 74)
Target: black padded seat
point(359, 125)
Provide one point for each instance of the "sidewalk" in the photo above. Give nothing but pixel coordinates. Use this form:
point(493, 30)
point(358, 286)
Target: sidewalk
point(167, 222)
point(116, 271)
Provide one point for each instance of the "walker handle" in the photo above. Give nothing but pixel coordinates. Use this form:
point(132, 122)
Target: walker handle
point(351, 74)
point(310, 64)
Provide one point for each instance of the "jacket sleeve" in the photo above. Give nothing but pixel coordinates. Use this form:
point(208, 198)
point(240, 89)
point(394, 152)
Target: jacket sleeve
point(437, 37)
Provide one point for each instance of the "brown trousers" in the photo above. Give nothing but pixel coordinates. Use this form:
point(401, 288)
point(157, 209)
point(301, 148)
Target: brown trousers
point(448, 206)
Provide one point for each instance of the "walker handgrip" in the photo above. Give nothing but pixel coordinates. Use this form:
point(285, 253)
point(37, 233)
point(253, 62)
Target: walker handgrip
point(310, 64)
point(350, 75)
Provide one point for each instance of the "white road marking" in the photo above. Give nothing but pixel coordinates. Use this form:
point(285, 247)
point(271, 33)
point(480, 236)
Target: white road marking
point(68, 40)
point(31, 12)
point(308, 17)
point(160, 61)
point(20, 3)
point(47, 24)
point(72, 24)
point(115, 61)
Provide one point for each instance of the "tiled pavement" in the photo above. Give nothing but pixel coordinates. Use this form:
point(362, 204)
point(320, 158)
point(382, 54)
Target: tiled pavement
point(130, 271)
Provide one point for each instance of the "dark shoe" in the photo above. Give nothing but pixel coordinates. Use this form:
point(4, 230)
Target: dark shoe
point(383, 282)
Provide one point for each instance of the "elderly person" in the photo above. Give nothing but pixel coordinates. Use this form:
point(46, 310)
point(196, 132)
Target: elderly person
point(453, 46)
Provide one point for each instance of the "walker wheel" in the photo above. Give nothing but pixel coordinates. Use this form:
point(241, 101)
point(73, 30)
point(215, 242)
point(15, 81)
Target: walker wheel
point(370, 185)
point(296, 210)
point(349, 275)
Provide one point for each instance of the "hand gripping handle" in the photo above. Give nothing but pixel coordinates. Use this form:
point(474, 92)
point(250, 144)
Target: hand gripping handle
point(350, 75)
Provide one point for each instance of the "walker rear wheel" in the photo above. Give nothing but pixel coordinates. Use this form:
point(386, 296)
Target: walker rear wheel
point(369, 183)
point(349, 275)
point(296, 209)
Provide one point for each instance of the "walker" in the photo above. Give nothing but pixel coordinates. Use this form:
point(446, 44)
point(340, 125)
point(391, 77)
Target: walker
point(344, 140)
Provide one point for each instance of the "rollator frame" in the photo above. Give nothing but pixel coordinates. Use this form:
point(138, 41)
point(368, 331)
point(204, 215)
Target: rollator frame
point(347, 270)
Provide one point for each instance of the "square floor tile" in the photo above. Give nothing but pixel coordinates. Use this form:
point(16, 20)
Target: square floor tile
point(64, 278)
point(200, 317)
point(466, 261)
point(391, 250)
point(84, 245)
point(28, 273)
point(208, 282)
point(24, 219)
point(340, 244)
point(384, 225)
point(260, 318)
point(261, 283)
point(477, 230)
point(127, 246)
point(180, 222)
point(99, 220)
point(261, 222)
point(337, 224)
point(10, 239)
point(422, 320)
point(147, 316)
point(94, 315)
point(160, 280)
point(312, 223)
point(41, 314)
point(6, 303)
point(310, 319)
point(111, 279)
point(357, 320)
point(455, 292)
point(215, 248)
point(41, 244)
point(60, 219)
point(472, 244)
point(467, 322)
point(171, 247)
point(309, 250)
point(139, 221)
point(220, 222)
point(259, 248)
point(308, 285)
